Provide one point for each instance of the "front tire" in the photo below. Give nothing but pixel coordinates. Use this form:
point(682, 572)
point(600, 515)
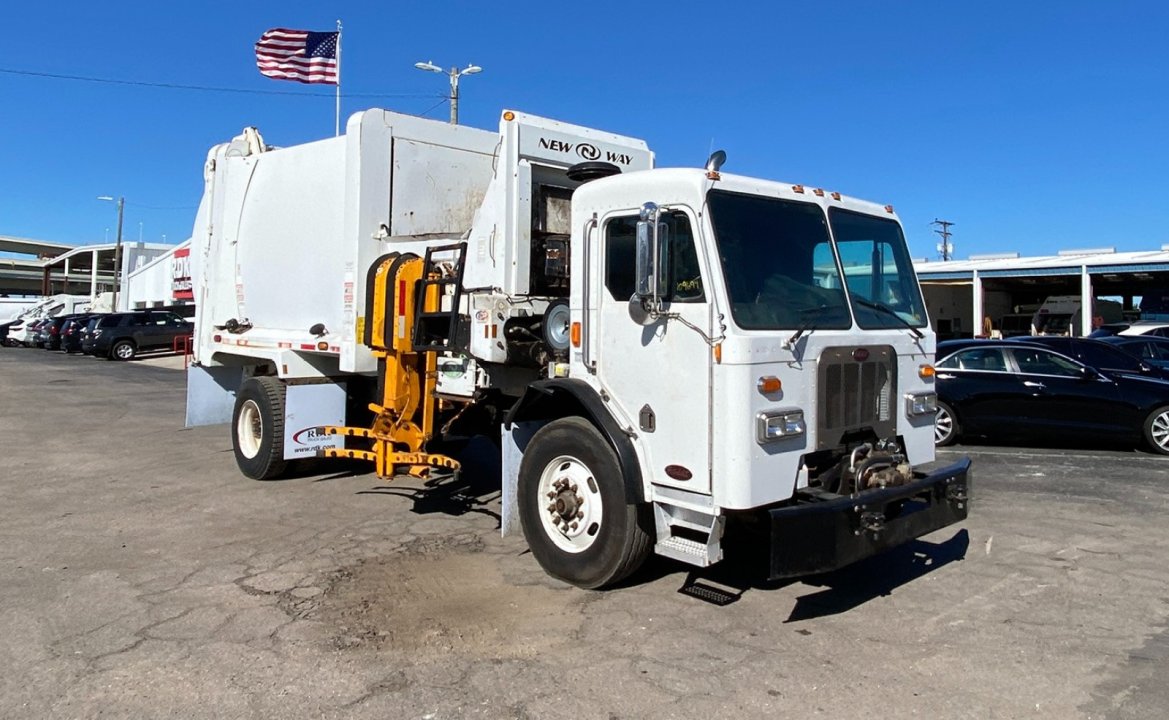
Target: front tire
point(572, 506)
point(257, 424)
point(1156, 429)
point(945, 426)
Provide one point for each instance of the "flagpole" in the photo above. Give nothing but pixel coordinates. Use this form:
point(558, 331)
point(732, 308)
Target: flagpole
point(337, 115)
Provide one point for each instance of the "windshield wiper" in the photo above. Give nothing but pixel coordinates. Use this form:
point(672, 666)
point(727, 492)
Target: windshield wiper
point(813, 314)
point(881, 307)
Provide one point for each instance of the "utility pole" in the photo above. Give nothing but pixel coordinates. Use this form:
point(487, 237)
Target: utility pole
point(454, 76)
point(945, 247)
point(117, 248)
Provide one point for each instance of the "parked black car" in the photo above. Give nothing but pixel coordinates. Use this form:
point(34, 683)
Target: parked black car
point(1152, 349)
point(1098, 353)
point(70, 335)
point(49, 334)
point(122, 336)
point(1012, 389)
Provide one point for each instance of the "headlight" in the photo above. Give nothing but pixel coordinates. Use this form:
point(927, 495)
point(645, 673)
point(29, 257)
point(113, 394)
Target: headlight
point(776, 424)
point(921, 404)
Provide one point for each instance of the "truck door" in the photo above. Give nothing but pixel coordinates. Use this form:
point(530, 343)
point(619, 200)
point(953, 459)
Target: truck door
point(658, 376)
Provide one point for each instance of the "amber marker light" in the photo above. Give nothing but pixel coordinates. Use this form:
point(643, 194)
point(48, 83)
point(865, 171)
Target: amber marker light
point(889, 209)
point(509, 116)
point(575, 333)
point(835, 196)
point(818, 192)
point(769, 385)
point(322, 345)
point(718, 354)
point(926, 372)
point(798, 188)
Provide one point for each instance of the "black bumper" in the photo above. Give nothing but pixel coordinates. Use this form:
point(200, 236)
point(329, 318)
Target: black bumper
point(821, 535)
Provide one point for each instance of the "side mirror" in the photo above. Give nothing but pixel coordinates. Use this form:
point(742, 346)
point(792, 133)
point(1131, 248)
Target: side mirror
point(1089, 373)
point(652, 258)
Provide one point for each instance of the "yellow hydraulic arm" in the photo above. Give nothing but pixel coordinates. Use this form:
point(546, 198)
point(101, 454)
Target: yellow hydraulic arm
point(404, 417)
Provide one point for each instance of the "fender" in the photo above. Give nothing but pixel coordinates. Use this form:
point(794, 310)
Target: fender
point(562, 397)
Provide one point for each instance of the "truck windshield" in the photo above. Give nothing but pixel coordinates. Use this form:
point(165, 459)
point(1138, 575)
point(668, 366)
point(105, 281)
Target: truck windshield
point(778, 264)
point(877, 270)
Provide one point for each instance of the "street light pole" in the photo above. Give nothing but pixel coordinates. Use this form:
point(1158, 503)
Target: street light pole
point(454, 76)
point(117, 248)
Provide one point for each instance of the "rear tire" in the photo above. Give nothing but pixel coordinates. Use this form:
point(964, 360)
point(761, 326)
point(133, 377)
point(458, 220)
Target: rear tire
point(945, 425)
point(123, 350)
point(257, 428)
point(1156, 428)
point(569, 460)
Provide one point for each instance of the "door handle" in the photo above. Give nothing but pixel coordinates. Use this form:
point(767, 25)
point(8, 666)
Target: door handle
point(1032, 384)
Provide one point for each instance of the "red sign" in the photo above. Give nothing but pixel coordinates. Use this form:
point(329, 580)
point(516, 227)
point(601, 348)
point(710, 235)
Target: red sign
point(181, 287)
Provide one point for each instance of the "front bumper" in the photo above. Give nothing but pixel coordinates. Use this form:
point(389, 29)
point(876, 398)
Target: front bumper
point(821, 535)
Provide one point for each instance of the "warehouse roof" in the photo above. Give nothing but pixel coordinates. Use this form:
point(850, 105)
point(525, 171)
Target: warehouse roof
point(1099, 261)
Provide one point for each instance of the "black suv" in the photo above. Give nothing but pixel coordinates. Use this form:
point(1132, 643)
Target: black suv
point(121, 336)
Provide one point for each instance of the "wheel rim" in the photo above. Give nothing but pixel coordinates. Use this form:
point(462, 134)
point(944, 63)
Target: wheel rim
point(124, 351)
point(249, 429)
point(1159, 430)
point(943, 426)
point(570, 504)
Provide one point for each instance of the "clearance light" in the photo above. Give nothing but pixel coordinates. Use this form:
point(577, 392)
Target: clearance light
point(835, 196)
point(214, 338)
point(575, 334)
point(778, 424)
point(769, 385)
point(921, 404)
point(798, 188)
point(718, 354)
point(322, 346)
point(818, 192)
point(889, 209)
point(926, 372)
point(509, 116)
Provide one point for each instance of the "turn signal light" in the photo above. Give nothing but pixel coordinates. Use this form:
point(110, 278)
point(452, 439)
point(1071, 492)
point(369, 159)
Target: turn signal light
point(926, 372)
point(769, 384)
point(575, 334)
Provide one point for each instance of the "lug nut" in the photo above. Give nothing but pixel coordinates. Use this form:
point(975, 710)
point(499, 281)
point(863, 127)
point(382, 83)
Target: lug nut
point(551, 496)
point(552, 507)
point(580, 514)
point(572, 526)
point(572, 487)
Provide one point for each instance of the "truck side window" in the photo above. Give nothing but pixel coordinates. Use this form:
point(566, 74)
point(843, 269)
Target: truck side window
point(685, 283)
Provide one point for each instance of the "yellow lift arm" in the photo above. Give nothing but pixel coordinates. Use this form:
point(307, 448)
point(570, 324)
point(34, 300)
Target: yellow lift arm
point(404, 418)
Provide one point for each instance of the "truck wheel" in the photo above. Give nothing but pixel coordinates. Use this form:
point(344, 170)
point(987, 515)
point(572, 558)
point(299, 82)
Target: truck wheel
point(945, 425)
point(1157, 430)
point(258, 428)
point(123, 350)
point(573, 510)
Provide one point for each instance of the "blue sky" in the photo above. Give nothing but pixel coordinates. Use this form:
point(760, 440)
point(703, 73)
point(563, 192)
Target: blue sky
point(1032, 126)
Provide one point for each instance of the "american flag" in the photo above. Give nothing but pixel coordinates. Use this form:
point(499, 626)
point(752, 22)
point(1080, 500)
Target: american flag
point(301, 55)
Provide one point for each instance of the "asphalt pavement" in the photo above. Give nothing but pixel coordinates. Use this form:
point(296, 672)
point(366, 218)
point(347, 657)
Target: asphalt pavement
point(142, 576)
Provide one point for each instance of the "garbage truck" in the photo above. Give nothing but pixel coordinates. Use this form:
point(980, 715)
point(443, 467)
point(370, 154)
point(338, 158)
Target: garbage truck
point(679, 361)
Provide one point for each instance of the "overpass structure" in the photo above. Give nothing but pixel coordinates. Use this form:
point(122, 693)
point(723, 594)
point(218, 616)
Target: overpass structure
point(61, 268)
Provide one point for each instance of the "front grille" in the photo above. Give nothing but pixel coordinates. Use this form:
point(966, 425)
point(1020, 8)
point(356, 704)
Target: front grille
point(856, 394)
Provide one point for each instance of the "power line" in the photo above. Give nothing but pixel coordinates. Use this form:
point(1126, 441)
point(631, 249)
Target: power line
point(208, 88)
